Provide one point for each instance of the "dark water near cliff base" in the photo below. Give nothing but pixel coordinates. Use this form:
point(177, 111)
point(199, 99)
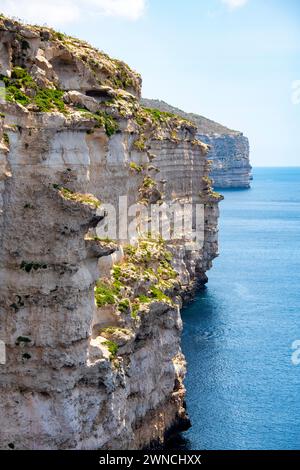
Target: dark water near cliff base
point(243, 392)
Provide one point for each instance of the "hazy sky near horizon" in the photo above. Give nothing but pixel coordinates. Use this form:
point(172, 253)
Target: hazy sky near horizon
point(233, 61)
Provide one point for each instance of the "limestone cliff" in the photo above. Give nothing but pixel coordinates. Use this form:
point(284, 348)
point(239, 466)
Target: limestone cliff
point(229, 149)
point(91, 326)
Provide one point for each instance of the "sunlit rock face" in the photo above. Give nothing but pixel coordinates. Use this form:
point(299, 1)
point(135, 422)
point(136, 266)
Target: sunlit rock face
point(229, 155)
point(229, 150)
point(86, 372)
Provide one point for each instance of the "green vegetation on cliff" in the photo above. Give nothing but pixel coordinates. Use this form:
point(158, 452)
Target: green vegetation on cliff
point(204, 125)
point(88, 199)
point(112, 348)
point(145, 275)
point(105, 294)
point(22, 89)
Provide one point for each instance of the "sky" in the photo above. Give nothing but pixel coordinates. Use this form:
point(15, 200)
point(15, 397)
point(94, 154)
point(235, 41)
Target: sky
point(234, 61)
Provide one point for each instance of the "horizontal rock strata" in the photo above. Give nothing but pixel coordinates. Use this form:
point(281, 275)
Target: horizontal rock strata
point(91, 326)
point(229, 150)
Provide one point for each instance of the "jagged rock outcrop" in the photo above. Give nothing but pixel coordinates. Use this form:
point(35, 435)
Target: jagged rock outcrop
point(90, 368)
point(229, 149)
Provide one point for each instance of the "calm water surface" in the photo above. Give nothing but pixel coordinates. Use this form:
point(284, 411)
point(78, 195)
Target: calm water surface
point(243, 392)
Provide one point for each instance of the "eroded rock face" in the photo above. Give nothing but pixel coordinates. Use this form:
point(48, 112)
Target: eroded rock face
point(229, 150)
point(229, 155)
point(80, 374)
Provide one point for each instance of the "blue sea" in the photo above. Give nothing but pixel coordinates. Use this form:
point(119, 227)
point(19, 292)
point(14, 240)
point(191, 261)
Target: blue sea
point(243, 391)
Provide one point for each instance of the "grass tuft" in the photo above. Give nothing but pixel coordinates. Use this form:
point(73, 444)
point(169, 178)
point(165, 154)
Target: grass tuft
point(112, 348)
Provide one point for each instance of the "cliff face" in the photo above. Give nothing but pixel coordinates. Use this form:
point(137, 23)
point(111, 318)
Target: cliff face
point(91, 326)
point(229, 149)
point(229, 155)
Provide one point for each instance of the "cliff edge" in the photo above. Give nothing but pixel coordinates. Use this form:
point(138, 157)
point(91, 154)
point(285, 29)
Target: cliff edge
point(91, 324)
point(229, 149)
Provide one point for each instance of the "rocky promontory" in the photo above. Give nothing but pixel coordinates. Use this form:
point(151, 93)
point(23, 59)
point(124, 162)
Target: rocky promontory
point(91, 323)
point(229, 149)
